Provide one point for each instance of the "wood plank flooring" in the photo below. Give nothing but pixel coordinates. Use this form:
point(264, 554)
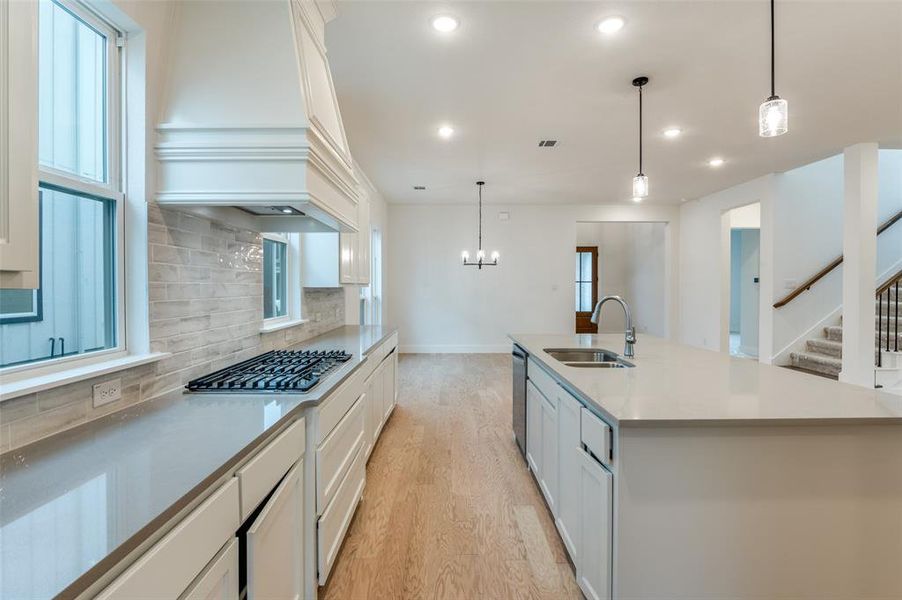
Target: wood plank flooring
point(449, 509)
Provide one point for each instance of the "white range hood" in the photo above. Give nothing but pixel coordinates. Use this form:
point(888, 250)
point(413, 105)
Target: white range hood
point(250, 119)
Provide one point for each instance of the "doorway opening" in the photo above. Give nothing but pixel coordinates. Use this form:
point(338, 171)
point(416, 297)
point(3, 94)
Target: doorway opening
point(744, 264)
point(626, 259)
point(586, 288)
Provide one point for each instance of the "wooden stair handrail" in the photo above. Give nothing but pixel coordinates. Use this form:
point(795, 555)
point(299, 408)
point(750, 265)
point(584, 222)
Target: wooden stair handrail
point(890, 282)
point(836, 262)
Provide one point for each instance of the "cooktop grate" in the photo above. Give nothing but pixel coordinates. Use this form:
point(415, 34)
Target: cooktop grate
point(274, 371)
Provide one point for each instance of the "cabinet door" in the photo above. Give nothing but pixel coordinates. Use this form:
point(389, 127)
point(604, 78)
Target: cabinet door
point(348, 251)
point(219, 581)
point(376, 402)
point(534, 429)
point(388, 385)
point(363, 240)
point(19, 222)
point(275, 542)
point(568, 472)
point(366, 399)
point(593, 571)
point(549, 478)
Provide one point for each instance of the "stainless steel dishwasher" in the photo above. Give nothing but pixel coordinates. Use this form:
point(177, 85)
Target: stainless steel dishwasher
point(519, 397)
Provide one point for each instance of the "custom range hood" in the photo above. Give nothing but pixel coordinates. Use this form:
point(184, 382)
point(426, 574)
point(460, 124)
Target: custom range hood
point(250, 119)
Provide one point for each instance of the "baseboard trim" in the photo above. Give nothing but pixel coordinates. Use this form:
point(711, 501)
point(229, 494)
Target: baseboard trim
point(454, 349)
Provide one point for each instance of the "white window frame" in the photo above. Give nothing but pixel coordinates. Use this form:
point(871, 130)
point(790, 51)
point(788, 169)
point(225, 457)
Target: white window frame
point(111, 190)
point(293, 315)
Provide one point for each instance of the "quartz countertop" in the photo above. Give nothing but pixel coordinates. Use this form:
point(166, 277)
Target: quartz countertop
point(74, 504)
point(677, 384)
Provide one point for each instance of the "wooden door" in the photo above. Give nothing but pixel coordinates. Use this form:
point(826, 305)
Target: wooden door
point(586, 287)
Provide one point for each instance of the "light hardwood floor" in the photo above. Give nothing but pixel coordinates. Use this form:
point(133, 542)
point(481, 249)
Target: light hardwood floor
point(449, 509)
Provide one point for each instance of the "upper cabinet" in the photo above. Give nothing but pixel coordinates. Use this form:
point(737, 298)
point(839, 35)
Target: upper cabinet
point(19, 205)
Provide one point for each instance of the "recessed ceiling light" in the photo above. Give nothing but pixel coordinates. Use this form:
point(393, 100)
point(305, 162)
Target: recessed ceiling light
point(610, 25)
point(672, 132)
point(445, 131)
point(445, 23)
point(637, 199)
point(715, 162)
point(287, 211)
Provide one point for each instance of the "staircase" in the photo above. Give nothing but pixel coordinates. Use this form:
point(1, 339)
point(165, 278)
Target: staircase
point(823, 355)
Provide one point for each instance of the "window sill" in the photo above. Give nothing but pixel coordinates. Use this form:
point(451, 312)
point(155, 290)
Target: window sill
point(279, 325)
point(13, 388)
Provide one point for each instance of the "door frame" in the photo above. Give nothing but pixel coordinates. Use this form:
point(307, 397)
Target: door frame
point(582, 322)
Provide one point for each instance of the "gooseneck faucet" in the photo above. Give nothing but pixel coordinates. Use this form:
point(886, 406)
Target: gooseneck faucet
point(630, 330)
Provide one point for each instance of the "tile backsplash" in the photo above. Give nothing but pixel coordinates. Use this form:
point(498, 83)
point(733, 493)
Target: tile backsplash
point(206, 309)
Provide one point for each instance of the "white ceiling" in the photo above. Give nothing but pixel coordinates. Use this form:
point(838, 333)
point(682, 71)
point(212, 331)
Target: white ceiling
point(517, 72)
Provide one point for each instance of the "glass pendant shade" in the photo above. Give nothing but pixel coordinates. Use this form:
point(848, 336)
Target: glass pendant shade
point(773, 117)
point(640, 186)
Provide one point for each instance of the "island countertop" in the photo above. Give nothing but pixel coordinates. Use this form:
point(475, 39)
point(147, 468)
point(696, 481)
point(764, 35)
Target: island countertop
point(673, 384)
point(74, 504)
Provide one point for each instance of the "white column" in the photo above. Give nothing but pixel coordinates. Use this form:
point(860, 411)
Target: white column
point(859, 263)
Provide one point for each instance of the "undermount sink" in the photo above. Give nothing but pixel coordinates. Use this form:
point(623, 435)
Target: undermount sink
point(588, 357)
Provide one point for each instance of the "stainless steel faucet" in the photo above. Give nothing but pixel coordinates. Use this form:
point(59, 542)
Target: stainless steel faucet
point(630, 330)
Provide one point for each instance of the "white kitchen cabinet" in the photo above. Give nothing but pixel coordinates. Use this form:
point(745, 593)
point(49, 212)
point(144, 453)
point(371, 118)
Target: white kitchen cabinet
point(348, 257)
point(219, 581)
point(534, 428)
point(168, 568)
point(376, 405)
point(593, 569)
point(334, 522)
point(548, 478)
point(275, 542)
point(19, 222)
point(388, 384)
point(568, 439)
point(363, 240)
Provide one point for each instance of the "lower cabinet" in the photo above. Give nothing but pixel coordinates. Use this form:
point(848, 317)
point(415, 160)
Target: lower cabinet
point(593, 569)
point(169, 567)
point(548, 479)
point(568, 472)
point(335, 520)
point(534, 428)
point(374, 395)
point(219, 581)
point(388, 384)
point(275, 542)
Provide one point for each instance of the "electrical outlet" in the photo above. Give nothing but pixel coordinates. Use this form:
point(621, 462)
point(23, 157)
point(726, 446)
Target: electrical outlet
point(108, 391)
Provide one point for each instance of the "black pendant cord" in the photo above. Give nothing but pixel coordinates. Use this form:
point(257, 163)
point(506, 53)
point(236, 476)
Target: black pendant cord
point(640, 130)
point(479, 184)
point(773, 87)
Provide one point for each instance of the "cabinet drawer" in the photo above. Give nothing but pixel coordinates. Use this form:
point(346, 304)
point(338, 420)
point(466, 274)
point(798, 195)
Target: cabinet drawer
point(219, 581)
point(541, 379)
point(334, 522)
point(338, 404)
point(261, 474)
point(170, 566)
point(337, 452)
point(596, 435)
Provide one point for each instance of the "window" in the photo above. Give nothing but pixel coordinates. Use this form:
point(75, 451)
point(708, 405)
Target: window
point(76, 310)
point(275, 276)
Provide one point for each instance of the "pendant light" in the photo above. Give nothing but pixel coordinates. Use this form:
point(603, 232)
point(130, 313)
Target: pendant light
point(640, 181)
point(480, 253)
point(773, 114)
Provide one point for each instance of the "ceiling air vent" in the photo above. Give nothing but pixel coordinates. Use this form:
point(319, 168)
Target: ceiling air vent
point(547, 143)
point(419, 187)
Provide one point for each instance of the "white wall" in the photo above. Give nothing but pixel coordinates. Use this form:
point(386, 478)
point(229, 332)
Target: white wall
point(441, 306)
point(631, 263)
point(801, 232)
point(705, 261)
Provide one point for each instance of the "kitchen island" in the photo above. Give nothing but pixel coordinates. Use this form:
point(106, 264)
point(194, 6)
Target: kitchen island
point(715, 477)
